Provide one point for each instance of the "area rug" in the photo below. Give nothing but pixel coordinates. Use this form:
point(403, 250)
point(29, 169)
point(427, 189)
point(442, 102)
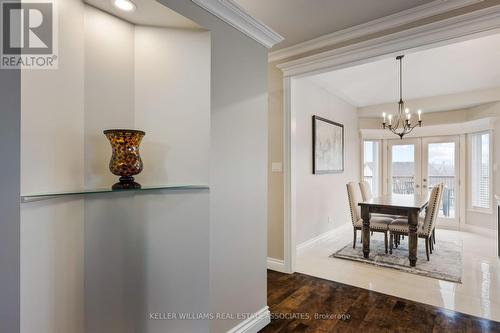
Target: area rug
point(445, 261)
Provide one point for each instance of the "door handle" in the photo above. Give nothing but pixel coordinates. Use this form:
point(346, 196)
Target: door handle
point(424, 180)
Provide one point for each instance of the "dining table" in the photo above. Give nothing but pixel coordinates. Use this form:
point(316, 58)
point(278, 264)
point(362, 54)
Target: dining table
point(404, 205)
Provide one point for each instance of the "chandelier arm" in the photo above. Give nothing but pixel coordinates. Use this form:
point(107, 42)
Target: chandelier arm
point(411, 128)
point(393, 130)
point(406, 125)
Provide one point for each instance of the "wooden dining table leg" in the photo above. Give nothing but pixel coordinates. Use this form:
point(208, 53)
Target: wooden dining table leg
point(412, 236)
point(365, 215)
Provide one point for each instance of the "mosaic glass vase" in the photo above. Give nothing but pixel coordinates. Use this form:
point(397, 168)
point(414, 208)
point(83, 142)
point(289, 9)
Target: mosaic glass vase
point(126, 159)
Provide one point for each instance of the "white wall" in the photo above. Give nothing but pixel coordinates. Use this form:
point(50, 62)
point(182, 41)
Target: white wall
point(151, 250)
point(146, 253)
point(172, 100)
point(64, 112)
point(52, 151)
point(109, 89)
point(147, 78)
point(319, 197)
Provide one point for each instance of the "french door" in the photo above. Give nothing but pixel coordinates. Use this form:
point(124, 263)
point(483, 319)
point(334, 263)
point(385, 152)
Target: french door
point(404, 166)
point(441, 165)
point(417, 165)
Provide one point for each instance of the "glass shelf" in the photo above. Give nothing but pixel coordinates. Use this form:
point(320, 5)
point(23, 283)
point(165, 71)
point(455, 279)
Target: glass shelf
point(47, 195)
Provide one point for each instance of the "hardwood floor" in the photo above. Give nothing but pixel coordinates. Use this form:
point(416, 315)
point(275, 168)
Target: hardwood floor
point(302, 303)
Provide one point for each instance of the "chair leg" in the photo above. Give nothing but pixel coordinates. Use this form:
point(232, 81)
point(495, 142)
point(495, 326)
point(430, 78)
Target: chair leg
point(431, 244)
point(434, 235)
point(385, 241)
point(427, 248)
point(354, 241)
point(391, 240)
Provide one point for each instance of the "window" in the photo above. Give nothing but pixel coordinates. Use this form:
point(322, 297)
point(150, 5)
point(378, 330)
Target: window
point(371, 165)
point(480, 197)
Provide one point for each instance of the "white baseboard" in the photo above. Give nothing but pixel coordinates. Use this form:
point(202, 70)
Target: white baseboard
point(276, 265)
point(312, 241)
point(255, 323)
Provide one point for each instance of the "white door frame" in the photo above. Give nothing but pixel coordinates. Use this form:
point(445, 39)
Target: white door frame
point(463, 27)
point(417, 142)
point(453, 223)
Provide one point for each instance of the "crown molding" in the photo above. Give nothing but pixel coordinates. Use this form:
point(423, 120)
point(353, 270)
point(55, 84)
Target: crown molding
point(466, 26)
point(381, 24)
point(231, 13)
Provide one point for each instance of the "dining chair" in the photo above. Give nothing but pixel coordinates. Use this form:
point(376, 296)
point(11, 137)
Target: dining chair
point(377, 223)
point(367, 194)
point(426, 224)
point(366, 190)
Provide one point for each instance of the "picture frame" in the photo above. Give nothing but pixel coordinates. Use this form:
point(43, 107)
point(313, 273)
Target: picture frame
point(327, 146)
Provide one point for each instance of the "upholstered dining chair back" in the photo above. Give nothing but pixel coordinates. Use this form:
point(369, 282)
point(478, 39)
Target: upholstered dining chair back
point(432, 209)
point(441, 191)
point(366, 190)
point(354, 196)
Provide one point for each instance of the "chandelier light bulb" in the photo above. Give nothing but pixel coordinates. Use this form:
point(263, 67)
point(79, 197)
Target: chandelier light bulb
point(402, 124)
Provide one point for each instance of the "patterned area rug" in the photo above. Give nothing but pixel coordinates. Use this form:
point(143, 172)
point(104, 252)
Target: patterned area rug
point(445, 261)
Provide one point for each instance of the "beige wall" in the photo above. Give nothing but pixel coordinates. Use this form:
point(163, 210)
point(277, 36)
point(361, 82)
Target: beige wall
point(275, 179)
point(275, 198)
point(321, 200)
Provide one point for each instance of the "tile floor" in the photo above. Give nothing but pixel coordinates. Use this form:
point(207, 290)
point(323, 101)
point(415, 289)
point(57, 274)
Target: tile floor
point(478, 295)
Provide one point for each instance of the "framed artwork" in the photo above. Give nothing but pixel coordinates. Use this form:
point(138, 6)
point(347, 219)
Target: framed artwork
point(328, 146)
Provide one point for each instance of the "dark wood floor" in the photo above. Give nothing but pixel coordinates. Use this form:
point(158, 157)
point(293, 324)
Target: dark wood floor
point(296, 300)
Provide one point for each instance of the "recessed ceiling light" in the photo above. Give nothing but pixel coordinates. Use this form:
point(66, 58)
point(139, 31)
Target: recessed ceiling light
point(125, 5)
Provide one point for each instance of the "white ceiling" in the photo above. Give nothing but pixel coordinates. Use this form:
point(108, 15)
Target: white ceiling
point(301, 20)
point(148, 12)
point(462, 67)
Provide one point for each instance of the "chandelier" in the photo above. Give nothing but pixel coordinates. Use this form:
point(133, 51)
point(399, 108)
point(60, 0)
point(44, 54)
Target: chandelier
point(403, 124)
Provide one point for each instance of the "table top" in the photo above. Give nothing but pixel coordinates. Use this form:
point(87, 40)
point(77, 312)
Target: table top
point(403, 201)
